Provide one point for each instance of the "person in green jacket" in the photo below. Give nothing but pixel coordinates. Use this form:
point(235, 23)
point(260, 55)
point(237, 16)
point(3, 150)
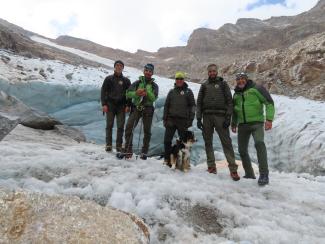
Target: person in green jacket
point(143, 93)
point(248, 116)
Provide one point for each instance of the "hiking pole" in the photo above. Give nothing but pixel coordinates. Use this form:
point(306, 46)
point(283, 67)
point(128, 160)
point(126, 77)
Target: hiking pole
point(135, 123)
point(141, 124)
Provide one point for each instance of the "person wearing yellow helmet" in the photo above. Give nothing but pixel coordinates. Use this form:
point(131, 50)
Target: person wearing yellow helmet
point(179, 112)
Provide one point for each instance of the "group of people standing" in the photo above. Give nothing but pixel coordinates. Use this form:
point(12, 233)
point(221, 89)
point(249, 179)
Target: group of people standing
point(216, 110)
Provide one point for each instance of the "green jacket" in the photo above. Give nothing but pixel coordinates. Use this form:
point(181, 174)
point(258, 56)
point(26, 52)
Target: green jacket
point(249, 104)
point(151, 88)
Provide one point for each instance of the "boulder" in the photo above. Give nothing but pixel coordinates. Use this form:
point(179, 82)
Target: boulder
point(71, 132)
point(30, 117)
point(38, 218)
point(7, 124)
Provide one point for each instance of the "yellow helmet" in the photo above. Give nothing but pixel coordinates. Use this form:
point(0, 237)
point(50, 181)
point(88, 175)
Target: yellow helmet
point(179, 75)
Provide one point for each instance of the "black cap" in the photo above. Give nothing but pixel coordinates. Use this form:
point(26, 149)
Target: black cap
point(241, 75)
point(150, 67)
point(118, 62)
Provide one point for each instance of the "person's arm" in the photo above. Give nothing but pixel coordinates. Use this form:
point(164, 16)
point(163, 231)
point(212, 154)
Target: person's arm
point(192, 106)
point(131, 92)
point(199, 103)
point(103, 94)
point(229, 102)
point(152, 91)
point(166, 106)
point(234, 117)
point(128, 102)
point(265, 98)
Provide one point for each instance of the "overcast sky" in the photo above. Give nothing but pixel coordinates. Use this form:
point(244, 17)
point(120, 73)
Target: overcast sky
point(139, 24)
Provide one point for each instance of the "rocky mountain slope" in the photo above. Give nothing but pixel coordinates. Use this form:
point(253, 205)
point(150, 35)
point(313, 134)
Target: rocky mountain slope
point(17, 40)
point(284, 53)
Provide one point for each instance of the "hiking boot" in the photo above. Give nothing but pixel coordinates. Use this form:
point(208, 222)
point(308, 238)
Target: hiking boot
point(108, 148)
point(234, 176)
point(120, 155)
point(212, 170)
point(128, 155)
point(247, 176)
point(263, 179)
point(119, 149)
point(143, 156)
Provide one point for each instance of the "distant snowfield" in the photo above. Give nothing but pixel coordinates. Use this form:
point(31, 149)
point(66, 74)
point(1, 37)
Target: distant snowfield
point(196, 207)
point(164, 84)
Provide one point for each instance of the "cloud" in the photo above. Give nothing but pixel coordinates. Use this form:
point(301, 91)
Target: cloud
point(141, 24)
point(260, 3)
point(65, 27)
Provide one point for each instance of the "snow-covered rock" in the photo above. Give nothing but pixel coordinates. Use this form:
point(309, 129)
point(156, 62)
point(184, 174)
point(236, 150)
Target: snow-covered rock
point(28, 217)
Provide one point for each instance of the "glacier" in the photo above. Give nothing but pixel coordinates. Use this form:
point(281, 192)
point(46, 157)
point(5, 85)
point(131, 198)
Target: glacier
point(295, 144)
point(195, 207)
point(179, 208)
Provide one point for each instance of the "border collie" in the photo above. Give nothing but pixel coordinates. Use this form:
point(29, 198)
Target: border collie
point(181, 152)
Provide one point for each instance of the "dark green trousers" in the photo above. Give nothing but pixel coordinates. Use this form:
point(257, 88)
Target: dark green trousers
point(173, 124)
point(119, 114)
point(245, 131)
point(213, 122)
point(146, 115)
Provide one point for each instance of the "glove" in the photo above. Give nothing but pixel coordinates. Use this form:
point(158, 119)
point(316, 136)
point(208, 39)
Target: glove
point(165, 123)
point(199, 124)
point(226, 123)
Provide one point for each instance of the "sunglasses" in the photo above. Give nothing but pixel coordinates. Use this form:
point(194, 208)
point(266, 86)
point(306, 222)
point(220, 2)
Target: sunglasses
point(179, 78)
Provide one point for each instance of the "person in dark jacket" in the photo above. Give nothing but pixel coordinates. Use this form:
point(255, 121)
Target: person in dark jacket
point(143, 93)
point(214, 105)
point(179, 112)
point(115, 104)
point(249, 103)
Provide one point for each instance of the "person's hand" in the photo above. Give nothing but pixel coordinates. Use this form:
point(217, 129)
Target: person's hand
point(268, 125)
point(199, 124)
point(105, 109)
point(139, 92)
point(165, 123)
point(234, 129)
point(127, 109)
